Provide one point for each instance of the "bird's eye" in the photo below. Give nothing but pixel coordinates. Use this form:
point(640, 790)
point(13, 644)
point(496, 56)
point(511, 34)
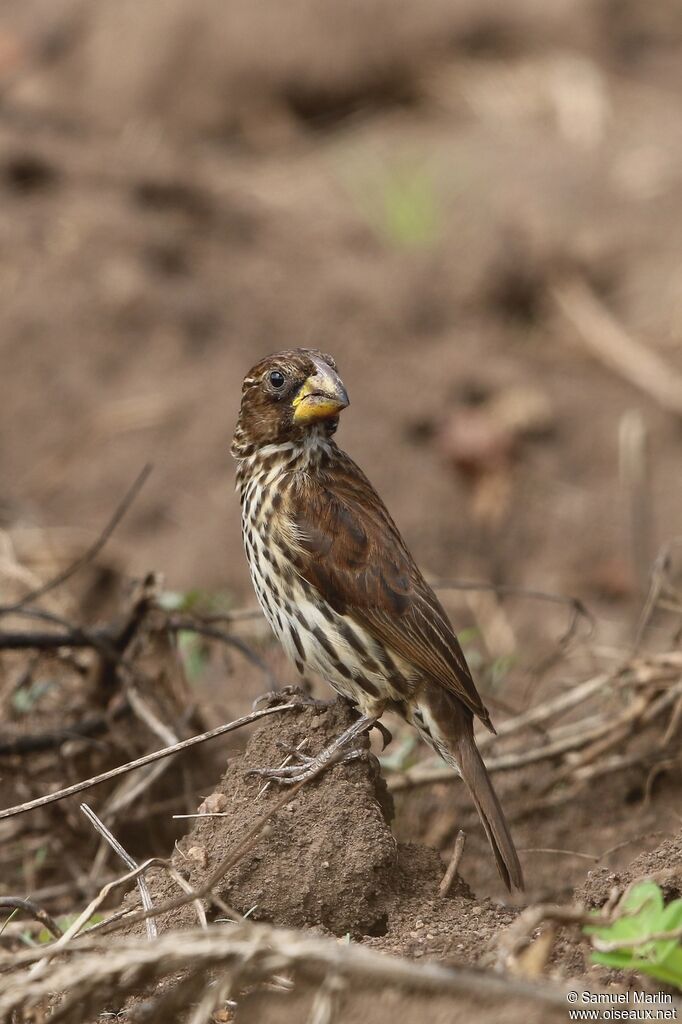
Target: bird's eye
point(277, 379)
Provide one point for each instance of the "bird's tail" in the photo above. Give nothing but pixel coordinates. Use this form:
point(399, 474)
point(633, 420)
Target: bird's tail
point(477, 781)
point(451, 727)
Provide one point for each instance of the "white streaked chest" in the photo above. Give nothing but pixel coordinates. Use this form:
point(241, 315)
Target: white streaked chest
point(314, 636)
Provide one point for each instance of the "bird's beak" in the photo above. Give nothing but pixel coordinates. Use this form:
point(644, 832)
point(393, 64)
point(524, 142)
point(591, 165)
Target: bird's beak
point(322, 397)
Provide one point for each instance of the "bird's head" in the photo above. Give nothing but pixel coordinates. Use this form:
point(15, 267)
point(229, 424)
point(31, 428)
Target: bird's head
point(286, 396)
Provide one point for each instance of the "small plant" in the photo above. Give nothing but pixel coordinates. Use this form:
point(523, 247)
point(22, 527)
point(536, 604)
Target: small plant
point(400, 201)
point(645, 936)
point(64, 922)
point(193, 647)
point(25, 699)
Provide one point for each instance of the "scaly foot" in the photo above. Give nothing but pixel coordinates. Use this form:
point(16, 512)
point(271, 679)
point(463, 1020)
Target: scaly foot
point(341, 750)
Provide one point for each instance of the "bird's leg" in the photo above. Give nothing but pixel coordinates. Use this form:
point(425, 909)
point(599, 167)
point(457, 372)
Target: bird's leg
point(340, 750)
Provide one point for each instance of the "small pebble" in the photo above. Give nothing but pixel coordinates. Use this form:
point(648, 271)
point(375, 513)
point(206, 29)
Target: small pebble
point(197, 854)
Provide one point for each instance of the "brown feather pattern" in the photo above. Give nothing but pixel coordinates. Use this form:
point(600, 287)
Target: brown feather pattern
point(340, 588)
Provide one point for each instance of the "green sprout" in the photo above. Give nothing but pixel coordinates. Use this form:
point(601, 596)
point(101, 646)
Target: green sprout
point(645, 936)
point(25, 698)
point(193, 647)
point(196, 601)
point(399, 199)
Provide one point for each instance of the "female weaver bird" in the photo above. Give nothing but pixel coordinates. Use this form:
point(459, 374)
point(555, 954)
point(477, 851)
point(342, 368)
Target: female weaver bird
point(338, 585)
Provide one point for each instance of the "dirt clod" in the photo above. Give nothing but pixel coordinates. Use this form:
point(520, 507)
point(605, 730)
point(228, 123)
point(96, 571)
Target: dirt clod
point(664, 865)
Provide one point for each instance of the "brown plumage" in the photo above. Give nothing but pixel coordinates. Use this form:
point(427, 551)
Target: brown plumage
point(336, 581)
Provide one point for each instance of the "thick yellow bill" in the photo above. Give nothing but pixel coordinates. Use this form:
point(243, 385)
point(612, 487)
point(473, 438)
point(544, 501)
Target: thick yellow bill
point(322, 397)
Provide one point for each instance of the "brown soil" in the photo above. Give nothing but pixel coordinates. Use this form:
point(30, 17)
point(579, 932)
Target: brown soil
point(664, 864)
point(185, 188)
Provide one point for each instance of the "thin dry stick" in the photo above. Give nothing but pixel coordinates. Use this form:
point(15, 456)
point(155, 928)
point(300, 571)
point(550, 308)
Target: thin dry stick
point(658, 579)
point(635, 478)
point(519, 934)
point(619, 351)
point(139, 762)
point(131, 788)
point(453, 866)
point(94, 904)
point(33, 910)
point(85, 915)
point(633, 839)
point(187, 888)
point(150, 718)
point(92, 551)
point(673, 724)
point(565, 738)
point(124, 795)
point(75, 637)
point(558, 852)
point(549, 708)
point(145, 895)
point(266, 786)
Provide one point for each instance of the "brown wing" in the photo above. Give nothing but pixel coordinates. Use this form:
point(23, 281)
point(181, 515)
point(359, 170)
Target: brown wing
point(350, 550)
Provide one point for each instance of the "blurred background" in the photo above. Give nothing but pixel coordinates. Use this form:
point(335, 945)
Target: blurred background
point(476, 207)
point(462, 201)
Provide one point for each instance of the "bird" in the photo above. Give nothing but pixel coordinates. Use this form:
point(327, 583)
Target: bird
point(339, 587)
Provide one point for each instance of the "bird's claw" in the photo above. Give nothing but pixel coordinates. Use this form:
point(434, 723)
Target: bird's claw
point(386, 734)
point(343, 749)
point(306, 767)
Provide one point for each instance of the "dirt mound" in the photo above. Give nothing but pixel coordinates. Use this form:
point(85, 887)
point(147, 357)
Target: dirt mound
point(327, 859)
point(664, 865)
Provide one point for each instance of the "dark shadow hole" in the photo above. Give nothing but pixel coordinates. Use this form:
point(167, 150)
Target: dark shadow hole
point(379, 927)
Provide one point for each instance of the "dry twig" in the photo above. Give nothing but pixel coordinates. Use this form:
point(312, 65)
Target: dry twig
point(250, 953)
point(607, 339)
point(453, 866)
point(139, 762)
point(145, 895)
point(33, 910)
point(91, 553)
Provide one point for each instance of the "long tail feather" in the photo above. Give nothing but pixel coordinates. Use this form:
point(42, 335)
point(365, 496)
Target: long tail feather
point(477, 781)
point(448, 726)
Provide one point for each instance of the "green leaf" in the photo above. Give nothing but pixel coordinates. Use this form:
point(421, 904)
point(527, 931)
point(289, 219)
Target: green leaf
point(642, 914)
point(194, 652)
point(64, 922)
